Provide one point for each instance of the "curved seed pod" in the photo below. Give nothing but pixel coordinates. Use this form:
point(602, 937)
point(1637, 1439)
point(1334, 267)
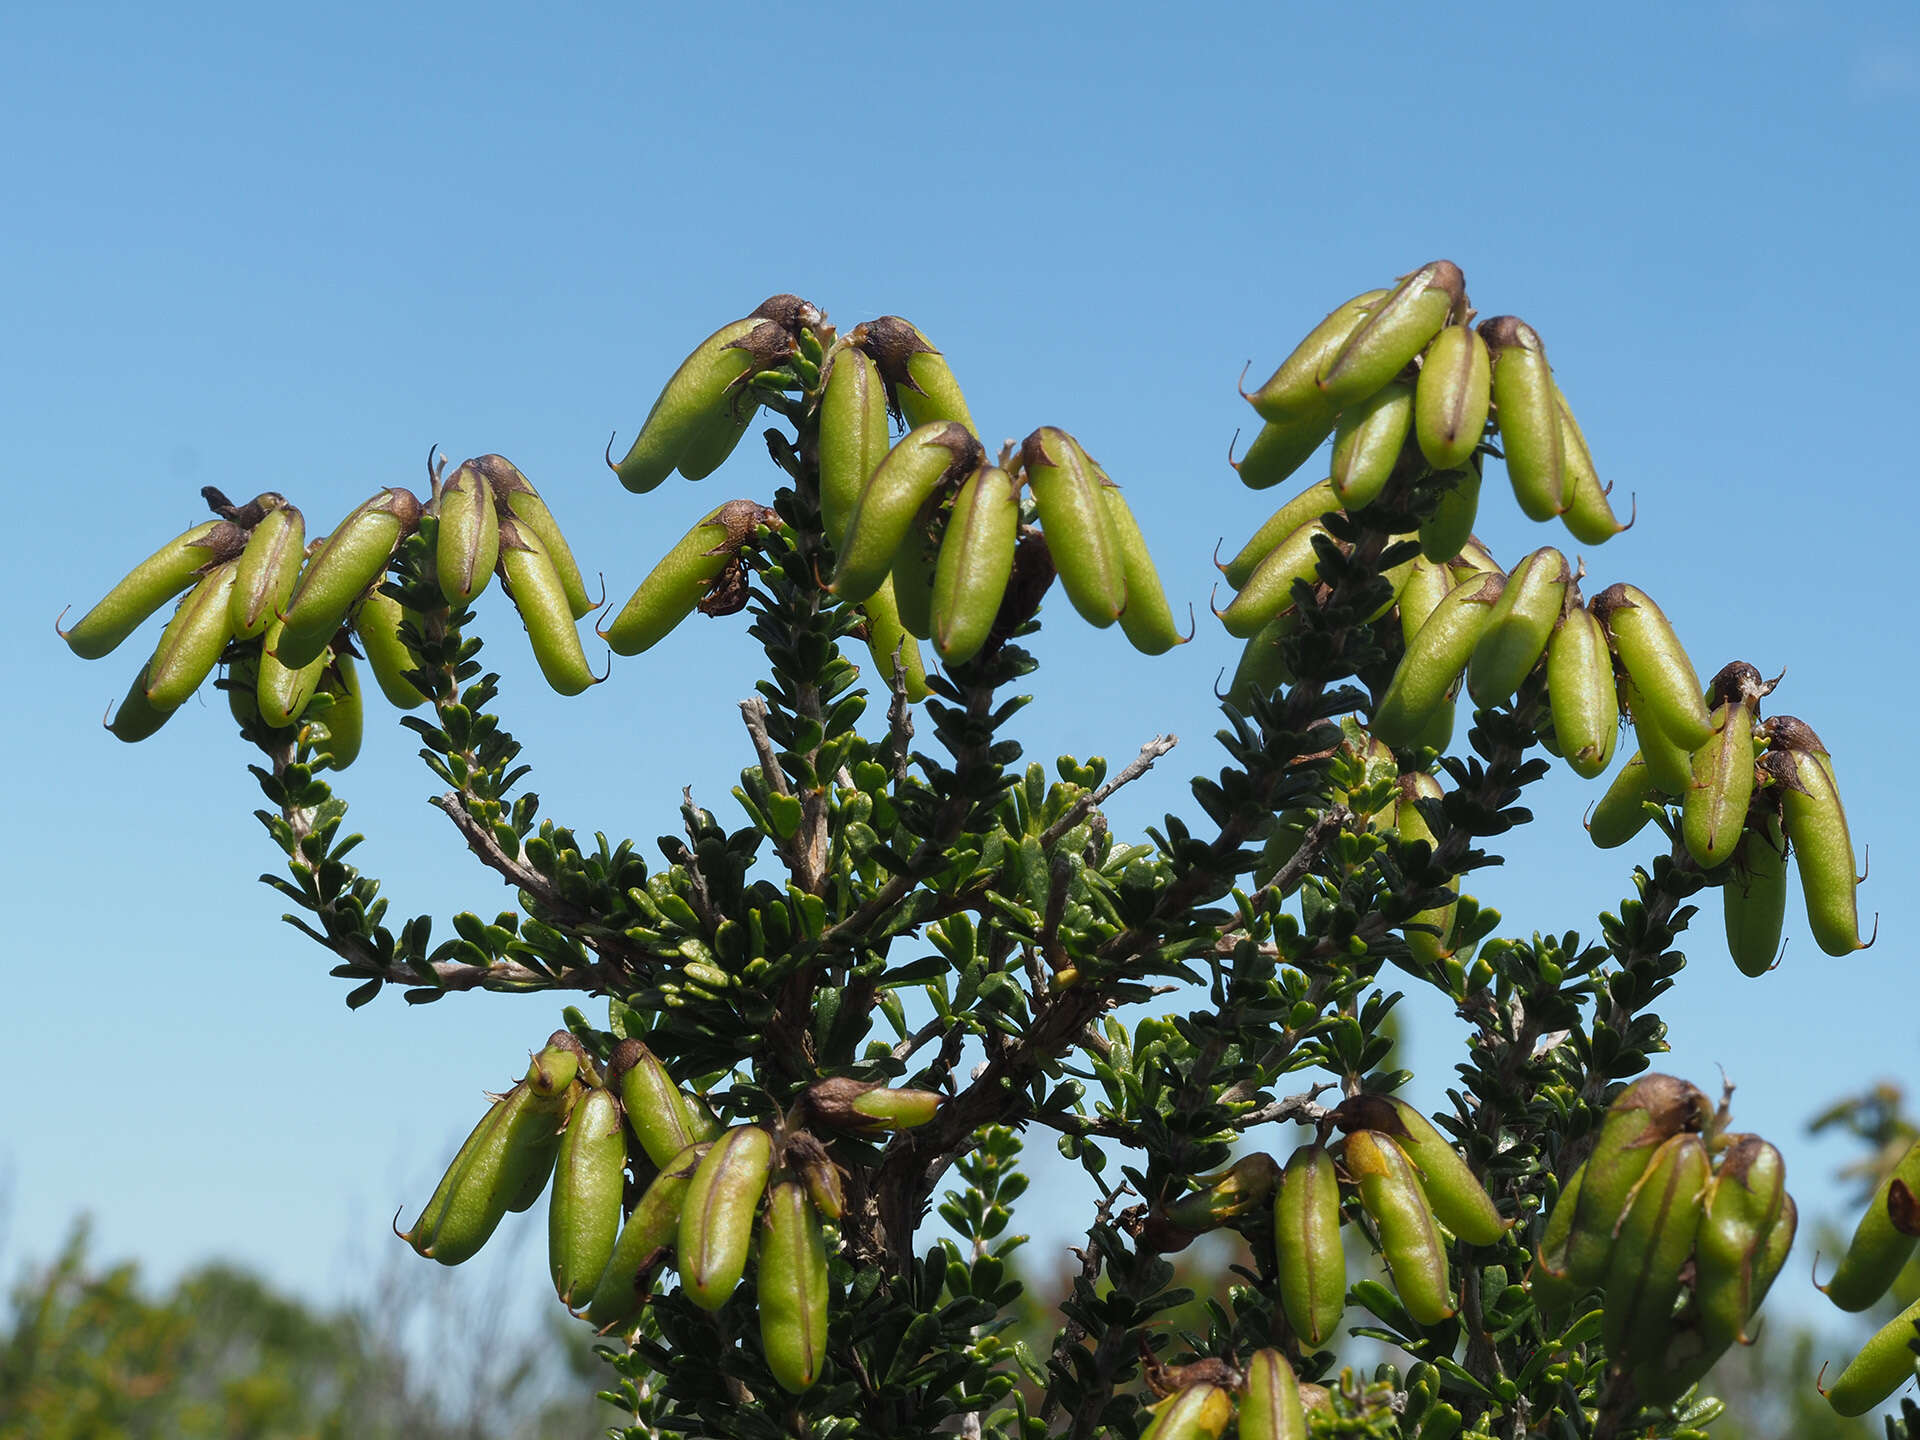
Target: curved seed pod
point(1581, 695)
point(1668, 762)
point(517, 1135)
point(1270, 1407)
point(1816, 823)
point(792, 1288)
point(519, 502)
point(1743, 1208)
point(533, 584)
point(1197, 1412)
point(1268, 592)
point(1393, 332)
point(1650, 1245)
point(1080, 532)
point(1547, 1281)
point(1630, 802)
point(1460, 1202)
point(1415, 1254)
point(1427, 946)
point(263, 583)
point(1434, 659)
point(1528, 415)
point(890, 644)
point(919, 385)
point(718, 436)
point(912, 575)
point(354, 558)
point(1240, 1189)
point(1367, 440)
point(1310, 504)
point(716, 1218)
point(853, 435)
point(283, 692)
point(150, 584)
point(645, 1241)
point(468, 544)
point(1427, 585)
point(1878, 1251)
point(1517, 632)
point(662, 1120)
point(673, 587)
point(1452, 397)
point(1263, 667)
point(1713, 813)
point(1306, 1240)
point(1656, 662)
point(1294, 388)
point(377, 626)
point(1647, 1114)
point(1451, 524)
point(1755, 896)
point(1588, 516)
point(438, 1205)
point(927, 459)
point(1883, 1365)
point(976, 561)
point(864, 1105)
point(137, 717)
point(1282, 447)
point(1147, 621)
point(696, 393)
point(550, 1076)
point(584, 1215)
point(190, 646)
point(343, 725)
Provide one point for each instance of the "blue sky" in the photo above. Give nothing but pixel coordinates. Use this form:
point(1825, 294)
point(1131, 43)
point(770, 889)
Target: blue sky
point(265, 249)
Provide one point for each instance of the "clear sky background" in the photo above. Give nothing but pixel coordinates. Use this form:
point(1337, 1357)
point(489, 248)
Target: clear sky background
point(262, 248)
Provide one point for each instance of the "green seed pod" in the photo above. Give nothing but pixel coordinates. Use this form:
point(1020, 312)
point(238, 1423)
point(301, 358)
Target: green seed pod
point(1415, 1254)
point(1630, 802)
point(283, 692)
point(1262, 668)
point(853, 435)
point(533, 584)
point(918, 383)
point(1310, 504)
point(645, 1241)
point(1460, 1202)
point(1395, 331)
point(1474, 559)
point(1282, 447)
point(1451, 401)
point(469, 538)
point(1434, 659)
point(377, 626)
point(1581, 695)
point(1668, 762)
point(1427, 585)
point(1648, 1248)
point(716, 1218)
point(1656, 662)
point(1739, 1229)
point(1528, 416)
point(1427, 946)
point(1816, 824)
point(517, 500)
point(190, 646)
point(1311, 1262)
point(1367, 440)
point(662, 1120)
point(912, 575)
point(263, 583)
point(718, 436)
point(1294, 388)
point(698, 391)
point(335, 734)
point(927, 460)
point(150, 584)
point(890, 644)
point(1268, 592)
point(1755, 895)
point(1240, 1189)
point(792, 1288)
point(1451, 524)
point(583, 1217)
point(490, 1170)
point(550, 1077)
point(1270, 1407)
point(1147, 621)
point(1713, 813)
point(976, 561)
point(137, 717)
point(1879, 1250)
point(675, 586)
point(1197, 1412)
point(1517, 632)
point(1080, 532)
point(863, 1105)
point(354, 558)
point(1881, 1367)
point(1547, 1281)
point(1588, 516)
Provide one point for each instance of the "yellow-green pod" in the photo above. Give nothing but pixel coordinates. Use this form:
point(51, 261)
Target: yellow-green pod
point(1309, 1258)
point(1450, 525)
point(441, 1201)
point(487, 1174)
point(1270, 1407)
point(1263, 667)
point(1879, 1250)
point(1393, 332)
point(792, 1288)
point(377, 626)
point(918, 382)
point(1427, 946)
point(1147, 621)
point(550, 1076)
point(1528, 416)
point(150, 584)
point(1588, 516)
point(1581, 695)
point(1080, 532)
point(1883, 1365)
point(1452, 398)
point(1240, 1189)
point(351, 562)
point(335, 733)
point(1657, 663)
point(1367, 440)
point(1427, 585)
point(673, 587)
point(1282, 447)
point(662, 1120)
point(519, 502)
point(137, 717)
point(854, 435)
point(716, 1219)
point(976, 561)
point(1268, 592)
point(913, 571)
point(1649, 1247)
point(1754, 898)
point(696, 393)
point(533, 584)
point(1294, 388)
point(718, 437)
point(1713, 813)
point(1629, 803)
point(468, 545)
point(263, 582)
point(283, 692)
point(1517, 632)
point(1198, 1412)
point(1310, 504)
point(1409, 1239)
point(583, 1217)
point(1459, 1200)
point(928, 459)
point(190, 646)
point(890, 644)
point(646, 1240)
point(1668, 762)
point(1739, 1231)
point(1435, 659)
point(1816, 824)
